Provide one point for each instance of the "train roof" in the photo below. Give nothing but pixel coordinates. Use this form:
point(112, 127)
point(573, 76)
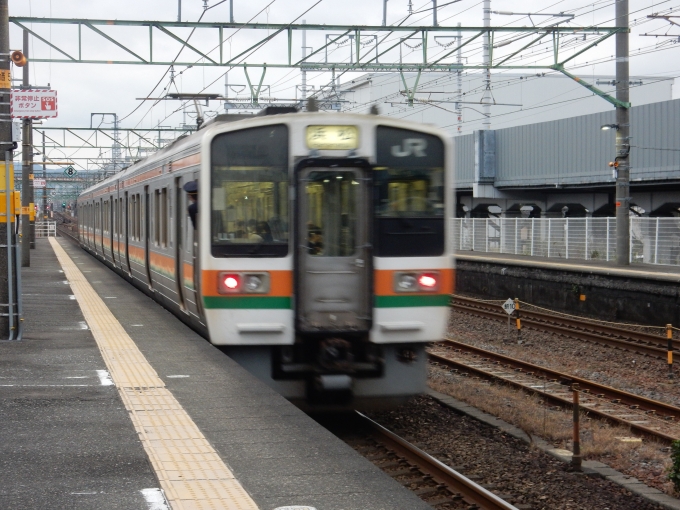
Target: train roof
point(275, 116)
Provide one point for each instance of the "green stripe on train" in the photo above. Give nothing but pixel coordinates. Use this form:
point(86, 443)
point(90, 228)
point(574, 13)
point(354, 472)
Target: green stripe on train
point(244, 302)
point(411, 301)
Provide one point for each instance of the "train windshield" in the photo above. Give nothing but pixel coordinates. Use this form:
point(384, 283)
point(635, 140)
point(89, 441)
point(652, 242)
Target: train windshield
point(409, 194)
point(249, 172)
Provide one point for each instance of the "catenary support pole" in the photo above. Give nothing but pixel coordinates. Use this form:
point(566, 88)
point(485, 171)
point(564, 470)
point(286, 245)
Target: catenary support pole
point(26, 174)
point(6, 148)
point(434, 13)
point(304, 73)
point(384, 13)
point(487, 98)
point(622, 138)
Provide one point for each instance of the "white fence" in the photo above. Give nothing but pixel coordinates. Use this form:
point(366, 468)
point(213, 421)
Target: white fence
point(653, 240)
point(45, 229)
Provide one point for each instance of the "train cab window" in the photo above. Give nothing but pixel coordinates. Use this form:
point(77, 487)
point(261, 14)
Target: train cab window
point(408, 194)
point(249, 199)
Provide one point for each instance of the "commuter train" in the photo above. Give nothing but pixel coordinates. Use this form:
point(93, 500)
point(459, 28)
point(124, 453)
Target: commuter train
point(320, 259)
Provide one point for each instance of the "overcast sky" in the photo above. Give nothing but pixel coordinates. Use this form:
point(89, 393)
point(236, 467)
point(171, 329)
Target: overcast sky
point(86, 88)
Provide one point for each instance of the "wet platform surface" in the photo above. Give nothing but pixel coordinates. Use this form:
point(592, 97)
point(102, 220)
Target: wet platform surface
point(67, 440)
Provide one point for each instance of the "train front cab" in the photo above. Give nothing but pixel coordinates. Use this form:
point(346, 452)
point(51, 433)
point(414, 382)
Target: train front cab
point(327, 275)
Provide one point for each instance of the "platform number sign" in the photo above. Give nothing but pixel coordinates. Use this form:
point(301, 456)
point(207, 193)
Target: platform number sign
point(70, 171)
point(509, 306)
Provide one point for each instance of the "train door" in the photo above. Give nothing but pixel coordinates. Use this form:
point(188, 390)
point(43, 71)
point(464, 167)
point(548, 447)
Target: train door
point(179, 242)
point(112, 230)
point(333, 277)
point(147, 236)
point(126, 233)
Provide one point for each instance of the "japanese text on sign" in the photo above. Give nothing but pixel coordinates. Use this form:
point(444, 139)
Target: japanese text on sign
point(5, 79)
point(34, 104)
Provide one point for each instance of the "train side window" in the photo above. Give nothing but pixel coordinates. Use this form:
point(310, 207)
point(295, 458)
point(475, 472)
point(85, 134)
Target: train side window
point(156, 217)
point(138, 217)
point(164, 218)
point(249, 213)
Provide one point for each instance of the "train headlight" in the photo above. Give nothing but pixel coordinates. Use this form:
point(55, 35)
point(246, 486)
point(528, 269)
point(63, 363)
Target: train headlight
point(253, 283)
point(405, 282)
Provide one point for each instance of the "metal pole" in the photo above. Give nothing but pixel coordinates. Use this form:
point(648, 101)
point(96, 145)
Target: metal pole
point(434, 13)
point(669, 336)
point(486, 97)
point(576, 457)
point(656, 242)
point(607, 238)
point(231, 11)
point(459, 84)
point(622, 138)
point(27, 240)
point(384, 13)
point(44, 193)
point(10, 266)
point(179, 10)
point(6, 143)
point(304, 55)
point(519, 322)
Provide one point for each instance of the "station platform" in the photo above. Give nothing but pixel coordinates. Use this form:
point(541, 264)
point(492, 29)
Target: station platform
point(110, 402)
point(645, 294)
point(647, 271)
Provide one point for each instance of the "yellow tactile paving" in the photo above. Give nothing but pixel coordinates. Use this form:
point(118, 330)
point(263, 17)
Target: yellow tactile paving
point(189, 470)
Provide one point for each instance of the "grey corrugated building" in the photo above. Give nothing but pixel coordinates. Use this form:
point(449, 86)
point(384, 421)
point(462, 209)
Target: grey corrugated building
point(562, 164)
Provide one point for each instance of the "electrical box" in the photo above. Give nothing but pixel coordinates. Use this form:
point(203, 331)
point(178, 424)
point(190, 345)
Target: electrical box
point(16, 132)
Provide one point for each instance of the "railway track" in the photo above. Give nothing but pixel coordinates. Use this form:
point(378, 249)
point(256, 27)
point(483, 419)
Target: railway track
point(436, 483)
point(68, 227)
point(644, 416)
point(622, 338)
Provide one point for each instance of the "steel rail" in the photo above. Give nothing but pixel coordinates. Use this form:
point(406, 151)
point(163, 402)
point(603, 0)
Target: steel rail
point(633, 403)
point(636, 341)
point(471, 492)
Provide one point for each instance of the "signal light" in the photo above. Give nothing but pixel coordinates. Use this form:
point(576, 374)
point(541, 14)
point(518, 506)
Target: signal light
point(18, 58)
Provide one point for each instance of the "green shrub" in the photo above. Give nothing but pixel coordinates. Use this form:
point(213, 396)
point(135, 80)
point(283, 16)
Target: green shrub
point(674, 470)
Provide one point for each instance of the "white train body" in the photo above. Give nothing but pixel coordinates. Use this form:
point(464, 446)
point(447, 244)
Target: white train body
point(320, 259)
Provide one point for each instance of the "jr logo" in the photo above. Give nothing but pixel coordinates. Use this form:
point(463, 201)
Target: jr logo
point(411, 147)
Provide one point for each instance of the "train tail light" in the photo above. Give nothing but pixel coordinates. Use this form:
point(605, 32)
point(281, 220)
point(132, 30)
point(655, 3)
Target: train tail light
point(229, 283)
point(417, 281)
point(428, 281)
point(243, 283)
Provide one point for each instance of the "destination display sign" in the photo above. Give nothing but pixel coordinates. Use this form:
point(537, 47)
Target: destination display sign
point(332, 137)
